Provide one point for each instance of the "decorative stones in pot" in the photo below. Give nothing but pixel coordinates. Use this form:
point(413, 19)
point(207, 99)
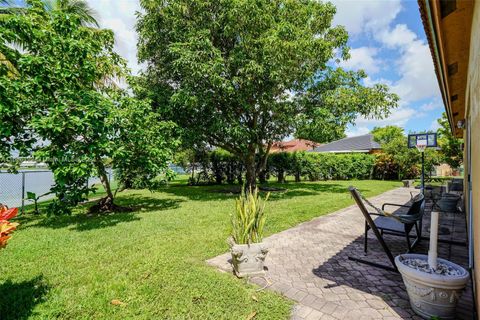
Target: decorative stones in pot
point(432, 293)
point(248, 250)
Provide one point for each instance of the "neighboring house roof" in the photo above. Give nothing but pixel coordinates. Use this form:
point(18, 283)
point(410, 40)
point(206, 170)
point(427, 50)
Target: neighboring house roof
point(364, 143)
point(293, 145)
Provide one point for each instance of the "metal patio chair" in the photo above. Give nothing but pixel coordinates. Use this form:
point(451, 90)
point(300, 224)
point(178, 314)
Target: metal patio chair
point(398, 224)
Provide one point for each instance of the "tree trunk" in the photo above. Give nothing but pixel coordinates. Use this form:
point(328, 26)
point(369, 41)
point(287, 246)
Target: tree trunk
point(105, 204)
point(262, 164)
point(230, 174)
point(262, 177)
point(102, 174)
point(251, 171)
point(297, 177)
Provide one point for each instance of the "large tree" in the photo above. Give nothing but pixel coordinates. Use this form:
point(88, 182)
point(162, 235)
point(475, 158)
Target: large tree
point(69, 111)
point(450, 146)
point(241, 74)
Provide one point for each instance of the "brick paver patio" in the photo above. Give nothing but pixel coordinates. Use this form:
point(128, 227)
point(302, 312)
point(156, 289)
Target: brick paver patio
point(309, 264)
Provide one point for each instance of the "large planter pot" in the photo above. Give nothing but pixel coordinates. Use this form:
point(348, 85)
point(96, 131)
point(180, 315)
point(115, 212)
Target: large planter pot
point(408, 183)
point(431, 294)
point(248, 260)
point(448, 202)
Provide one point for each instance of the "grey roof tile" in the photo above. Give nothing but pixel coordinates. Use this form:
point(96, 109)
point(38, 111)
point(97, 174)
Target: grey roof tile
point(363, 143)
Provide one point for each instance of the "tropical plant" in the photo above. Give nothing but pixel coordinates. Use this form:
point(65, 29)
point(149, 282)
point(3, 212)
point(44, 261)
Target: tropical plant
point(450, 146)
point(249, 217)
point(241, 74)
point(394, 144)
point(79, 8)
point(6, 227)
point(73, 118)
point(32, 196)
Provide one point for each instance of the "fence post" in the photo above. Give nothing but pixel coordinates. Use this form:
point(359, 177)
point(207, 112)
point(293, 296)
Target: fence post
point(23, 192)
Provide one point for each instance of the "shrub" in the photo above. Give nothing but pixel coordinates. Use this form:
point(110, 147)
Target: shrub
point(389, 167)
point(326, 166)
point(220, 166)
point(279, 164)
point(385, 167)
point(249, 217)
point(212, 167)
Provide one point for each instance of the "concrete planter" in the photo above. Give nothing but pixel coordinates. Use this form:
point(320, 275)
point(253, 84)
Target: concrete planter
point(432, 295)
point(248, 260)
point(408, 183)
point(448, 202)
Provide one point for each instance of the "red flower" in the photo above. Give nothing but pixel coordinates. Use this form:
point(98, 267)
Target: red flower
point(7, 214)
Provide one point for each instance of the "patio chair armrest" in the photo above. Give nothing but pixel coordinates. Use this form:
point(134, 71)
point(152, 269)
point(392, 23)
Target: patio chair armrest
point(394, 205)
point(376, 214)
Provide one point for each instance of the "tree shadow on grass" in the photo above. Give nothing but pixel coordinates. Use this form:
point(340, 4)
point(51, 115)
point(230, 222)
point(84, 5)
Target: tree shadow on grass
point(18, 299)
point(287, 190)
point(83, 222)
point(141, 203)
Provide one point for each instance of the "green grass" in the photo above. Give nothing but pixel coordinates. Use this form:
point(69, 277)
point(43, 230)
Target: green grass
point(153, 260)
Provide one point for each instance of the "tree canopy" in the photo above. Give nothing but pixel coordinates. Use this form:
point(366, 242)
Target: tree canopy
point(241, 74)
point(450, 146)
point(69, 110)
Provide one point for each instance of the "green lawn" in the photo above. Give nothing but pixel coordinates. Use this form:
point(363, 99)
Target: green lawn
point(152, 260)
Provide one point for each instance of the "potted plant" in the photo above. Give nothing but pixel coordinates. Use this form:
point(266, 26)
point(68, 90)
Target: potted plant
point(248, 220)
point(433, 285)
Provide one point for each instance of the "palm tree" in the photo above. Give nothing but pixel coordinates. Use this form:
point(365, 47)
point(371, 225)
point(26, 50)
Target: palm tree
point(80, 8)
point(5, 10)
point(88, 16)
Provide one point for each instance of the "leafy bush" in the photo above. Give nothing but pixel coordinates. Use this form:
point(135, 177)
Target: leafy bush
point(326, 166)
point(249, 217)
point(219, 166)
point(385, 167)
point(279, 164)
point(211, 167)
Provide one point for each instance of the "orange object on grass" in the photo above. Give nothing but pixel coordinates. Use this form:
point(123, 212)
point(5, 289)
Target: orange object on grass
point(6, 227)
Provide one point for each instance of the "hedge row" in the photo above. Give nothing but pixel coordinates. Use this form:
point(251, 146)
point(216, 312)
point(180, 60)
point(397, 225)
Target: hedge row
point(220, 166)
point(321, 166)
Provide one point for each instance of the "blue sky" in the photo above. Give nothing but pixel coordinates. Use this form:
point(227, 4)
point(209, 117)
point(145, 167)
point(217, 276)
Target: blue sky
point(387, 41)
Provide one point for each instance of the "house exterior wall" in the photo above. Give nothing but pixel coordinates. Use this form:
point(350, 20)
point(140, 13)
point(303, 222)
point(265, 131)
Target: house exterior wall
point(472, 168)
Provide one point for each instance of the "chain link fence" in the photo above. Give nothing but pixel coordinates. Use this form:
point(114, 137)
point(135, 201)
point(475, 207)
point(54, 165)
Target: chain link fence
point(14, 188)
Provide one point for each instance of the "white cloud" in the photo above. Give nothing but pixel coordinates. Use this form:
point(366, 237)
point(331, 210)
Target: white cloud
point(363, 58)
point(399, 36)
point(414, 77)
point(434, 126)
point(432, 105)
point(415, 67)
point(360, 16)
point(119, 15)
point(398, 117)
point(353, 131)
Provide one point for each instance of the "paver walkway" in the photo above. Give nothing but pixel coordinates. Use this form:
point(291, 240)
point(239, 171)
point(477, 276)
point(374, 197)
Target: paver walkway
point(309, 264)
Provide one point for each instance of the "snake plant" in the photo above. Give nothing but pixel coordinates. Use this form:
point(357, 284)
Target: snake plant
point(248, 219)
